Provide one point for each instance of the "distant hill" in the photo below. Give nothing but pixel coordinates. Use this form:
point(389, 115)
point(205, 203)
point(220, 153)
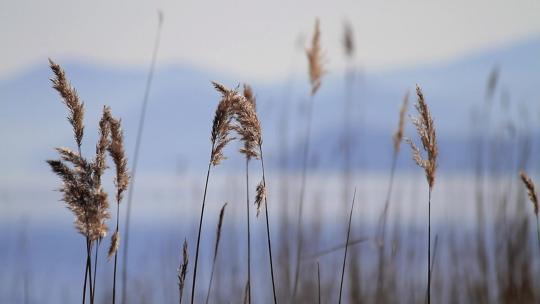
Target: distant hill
point(182, 103)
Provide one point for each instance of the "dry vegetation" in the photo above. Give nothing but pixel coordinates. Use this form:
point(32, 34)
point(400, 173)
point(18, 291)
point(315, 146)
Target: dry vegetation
point(496, 263)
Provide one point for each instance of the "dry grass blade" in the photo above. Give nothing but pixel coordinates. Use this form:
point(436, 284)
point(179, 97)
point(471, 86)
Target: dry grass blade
point(426, 131)
point(531, 190)
point(182, 270)
point(71, 99)
point(315, 60)
point(398, 136)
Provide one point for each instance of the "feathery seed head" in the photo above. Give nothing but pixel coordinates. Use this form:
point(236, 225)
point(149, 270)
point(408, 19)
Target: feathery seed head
point(315, 60)
point(115, 244)
point(531, 189)
point(398, 136)
point(222, 123)
point(348, 40)
point(71, 99)
point(117, 153)
point(260, 197)
point(426, 131)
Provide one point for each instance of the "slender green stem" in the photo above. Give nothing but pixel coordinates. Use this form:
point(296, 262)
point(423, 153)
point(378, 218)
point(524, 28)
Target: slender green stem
point(268, 226)
point(346, 247)
point(302, 195)
point(136, 160)
point(200, 228)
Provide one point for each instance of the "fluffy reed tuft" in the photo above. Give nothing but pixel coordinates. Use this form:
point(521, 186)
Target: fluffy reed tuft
point(71, 99)
point(315, 60)
point(222, 124)
point(426, 131)
point(531, 189)
point(182, 270)
point(115, 244)
point(247, 123)
point(118, 155)
point(398, 136)
point(260, 197)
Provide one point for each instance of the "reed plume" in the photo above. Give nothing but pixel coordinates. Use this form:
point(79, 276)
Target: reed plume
point(348, 40)
point(315, 60)
point(426, 131)
point(81, 179)
point(121, 181)
point(138, 141)
point(182, 271)
point(533, 197)
point(216, 248)
point(220, 137)
point(71, 99)
point(397, 139)
point(248, 127)
point(316, 71)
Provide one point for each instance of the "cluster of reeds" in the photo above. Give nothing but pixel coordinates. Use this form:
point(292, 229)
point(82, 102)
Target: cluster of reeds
point(236, 113)
point(81, 178)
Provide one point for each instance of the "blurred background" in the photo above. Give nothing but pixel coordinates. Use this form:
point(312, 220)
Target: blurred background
point(478, 63)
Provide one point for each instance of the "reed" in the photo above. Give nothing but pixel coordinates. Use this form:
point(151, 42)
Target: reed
point(182, 271)
point(220, 137)
point(216, 248)
point(346, 247)
point(315, 72)
point(248, 126)
point(118, 155)
point(426, 131)
point(138, 142)
point(533, 197)
point(381, 238)
point(250, 97)
point(81, 179)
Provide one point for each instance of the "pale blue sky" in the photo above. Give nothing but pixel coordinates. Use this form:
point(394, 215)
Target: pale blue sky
point(256, 39)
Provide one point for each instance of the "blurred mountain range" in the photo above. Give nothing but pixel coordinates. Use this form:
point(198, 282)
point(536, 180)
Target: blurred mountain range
point(182, 101)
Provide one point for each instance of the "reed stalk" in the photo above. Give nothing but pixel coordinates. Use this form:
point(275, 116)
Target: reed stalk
point(316, 71)
point(346, 248)
point(138, 141)
point(216, 249)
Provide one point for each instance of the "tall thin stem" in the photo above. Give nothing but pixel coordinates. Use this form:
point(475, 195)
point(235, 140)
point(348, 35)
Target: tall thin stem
point(429, 248)
point(248, 233)
point(95, 266)
point(89, 263)
point(346, 247)
point(319, 281)
point(382, 230)
point(115, 254)
point(268, 227)
point(85, 274)
point(302, 195)
point(538, 231)
point(200, 228)
point(136, 158)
